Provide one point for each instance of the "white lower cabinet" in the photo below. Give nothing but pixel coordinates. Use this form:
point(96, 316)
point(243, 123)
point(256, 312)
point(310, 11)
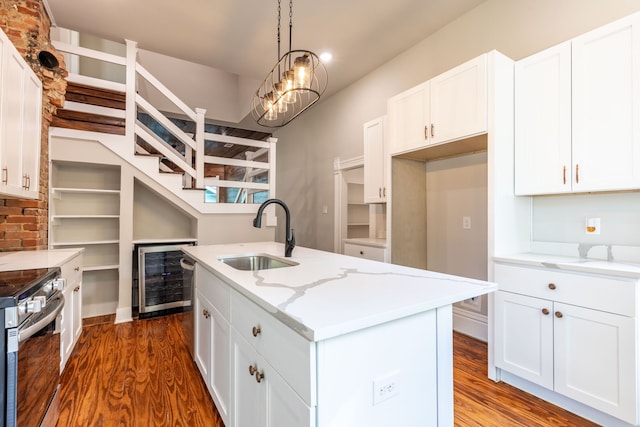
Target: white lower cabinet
point(212, 339)
point(571, 333)
point(261, 397)
point(70, 325)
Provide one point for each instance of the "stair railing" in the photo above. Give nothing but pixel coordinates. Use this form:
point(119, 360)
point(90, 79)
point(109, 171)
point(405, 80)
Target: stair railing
point(193, 161)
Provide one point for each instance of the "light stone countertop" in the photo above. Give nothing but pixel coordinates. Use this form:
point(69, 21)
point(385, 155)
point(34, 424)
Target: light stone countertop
point(25, 260)
point(327, 294)
point(575, 264)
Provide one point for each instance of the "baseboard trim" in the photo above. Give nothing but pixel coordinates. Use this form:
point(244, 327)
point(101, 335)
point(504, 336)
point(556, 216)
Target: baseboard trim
point(123, 315)
point(470, 323)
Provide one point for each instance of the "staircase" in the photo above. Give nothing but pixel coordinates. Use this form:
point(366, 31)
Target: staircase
point(169, 155)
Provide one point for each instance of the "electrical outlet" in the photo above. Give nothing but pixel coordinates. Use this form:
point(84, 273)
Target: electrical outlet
point(466, 222)
point(592, 226)
point(385, 387)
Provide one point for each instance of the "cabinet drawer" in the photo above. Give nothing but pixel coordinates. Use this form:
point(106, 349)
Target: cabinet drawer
point(72, 271)
point(362, 251)
point(598, 292)
point(288, 352)
point(214, 289)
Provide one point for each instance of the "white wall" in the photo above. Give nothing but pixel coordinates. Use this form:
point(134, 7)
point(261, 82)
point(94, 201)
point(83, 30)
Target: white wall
point(562, 218)
point(457, 188)
point(308, 145)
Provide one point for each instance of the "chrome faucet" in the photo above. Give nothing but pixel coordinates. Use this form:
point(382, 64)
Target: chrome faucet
point(583, 250)
point(290, 237)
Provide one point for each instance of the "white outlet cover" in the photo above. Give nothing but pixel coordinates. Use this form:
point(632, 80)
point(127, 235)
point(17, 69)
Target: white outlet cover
point(386, 387)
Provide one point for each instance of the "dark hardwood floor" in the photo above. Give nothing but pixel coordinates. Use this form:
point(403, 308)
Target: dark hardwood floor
point(140, 374)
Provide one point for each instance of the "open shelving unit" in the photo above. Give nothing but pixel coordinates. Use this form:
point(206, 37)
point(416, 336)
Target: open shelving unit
point(357, 211)
point(85, 213)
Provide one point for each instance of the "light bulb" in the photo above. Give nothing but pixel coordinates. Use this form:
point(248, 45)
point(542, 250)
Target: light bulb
point(281, 105)
point(271, 112)
point(287, 84)
point(302, 72)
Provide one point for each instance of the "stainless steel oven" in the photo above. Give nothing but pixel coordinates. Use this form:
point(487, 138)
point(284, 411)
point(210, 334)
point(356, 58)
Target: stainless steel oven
point(30, 302)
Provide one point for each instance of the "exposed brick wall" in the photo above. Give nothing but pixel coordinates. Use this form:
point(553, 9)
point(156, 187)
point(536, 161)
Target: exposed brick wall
point(24, 223)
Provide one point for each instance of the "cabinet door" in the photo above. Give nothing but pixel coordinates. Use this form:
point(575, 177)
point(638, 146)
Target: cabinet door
point(249, 395)
point(595, 359)
point(212, 351)
point(459, 102)
point(77, 310)
point(606, 101)
point(543, 122)
point(524, 337)
point(219, 366)
point(31, 132)
point(284, 406)
point(203, 324)
point(375, 162)
point(12, 111)
point(66, 328)
point(409, 119)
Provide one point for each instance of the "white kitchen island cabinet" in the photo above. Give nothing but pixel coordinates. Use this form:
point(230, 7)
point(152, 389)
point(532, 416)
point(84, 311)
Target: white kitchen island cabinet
point(331, 340)
point(572, 333)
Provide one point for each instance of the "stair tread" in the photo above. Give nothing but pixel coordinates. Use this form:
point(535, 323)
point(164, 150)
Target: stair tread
point(84, 94)
point(89, 117)
point(86, 126)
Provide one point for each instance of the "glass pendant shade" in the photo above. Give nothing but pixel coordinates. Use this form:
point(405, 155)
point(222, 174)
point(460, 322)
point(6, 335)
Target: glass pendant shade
point(287, 82)
point(301, 72)
point(269, 106)
point(282, 96)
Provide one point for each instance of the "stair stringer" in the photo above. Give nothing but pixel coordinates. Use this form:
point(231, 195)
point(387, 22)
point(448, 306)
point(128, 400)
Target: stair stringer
point(149, 166)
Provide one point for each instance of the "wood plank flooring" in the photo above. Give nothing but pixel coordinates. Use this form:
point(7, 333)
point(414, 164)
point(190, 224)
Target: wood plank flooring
point(140, 374)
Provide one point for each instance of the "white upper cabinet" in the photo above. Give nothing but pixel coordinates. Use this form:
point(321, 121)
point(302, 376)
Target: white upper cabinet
point(375, 161)
point(409, 119)
point(448, 107)
point(606, 99)
point(20, 124)
point(459, 102)
point(577, 124)
point(543, 122)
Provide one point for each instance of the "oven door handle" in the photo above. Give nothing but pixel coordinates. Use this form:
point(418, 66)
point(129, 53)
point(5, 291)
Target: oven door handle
point(52, 309)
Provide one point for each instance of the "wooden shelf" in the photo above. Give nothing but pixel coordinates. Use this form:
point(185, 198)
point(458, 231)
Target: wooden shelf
point(85, 212)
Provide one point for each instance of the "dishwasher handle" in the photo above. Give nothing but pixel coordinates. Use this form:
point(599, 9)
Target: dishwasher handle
point(52, 309)
point(187, 264)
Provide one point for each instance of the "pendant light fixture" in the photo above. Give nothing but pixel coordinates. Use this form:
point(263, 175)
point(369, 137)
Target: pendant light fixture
point(295, 83)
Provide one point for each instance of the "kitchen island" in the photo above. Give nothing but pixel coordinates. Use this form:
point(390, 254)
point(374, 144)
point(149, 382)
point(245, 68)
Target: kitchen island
point(330, 340)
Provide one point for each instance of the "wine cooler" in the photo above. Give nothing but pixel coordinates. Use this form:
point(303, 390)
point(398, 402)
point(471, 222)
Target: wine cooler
point(161, 282)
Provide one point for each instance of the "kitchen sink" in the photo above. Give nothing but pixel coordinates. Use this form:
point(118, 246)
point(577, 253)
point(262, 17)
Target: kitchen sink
point(256, 262)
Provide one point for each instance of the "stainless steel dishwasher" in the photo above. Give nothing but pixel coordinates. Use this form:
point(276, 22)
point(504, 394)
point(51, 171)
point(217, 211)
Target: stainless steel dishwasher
point(188, 277)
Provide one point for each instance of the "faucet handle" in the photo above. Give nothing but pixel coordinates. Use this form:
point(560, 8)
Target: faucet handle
point(290, 244)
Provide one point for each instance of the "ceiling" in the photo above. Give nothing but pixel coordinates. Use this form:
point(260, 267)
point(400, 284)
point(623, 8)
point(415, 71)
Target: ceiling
point(239, 36)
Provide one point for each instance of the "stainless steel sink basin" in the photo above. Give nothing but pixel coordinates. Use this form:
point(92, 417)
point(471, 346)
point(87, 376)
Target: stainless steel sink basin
point(256, 262)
